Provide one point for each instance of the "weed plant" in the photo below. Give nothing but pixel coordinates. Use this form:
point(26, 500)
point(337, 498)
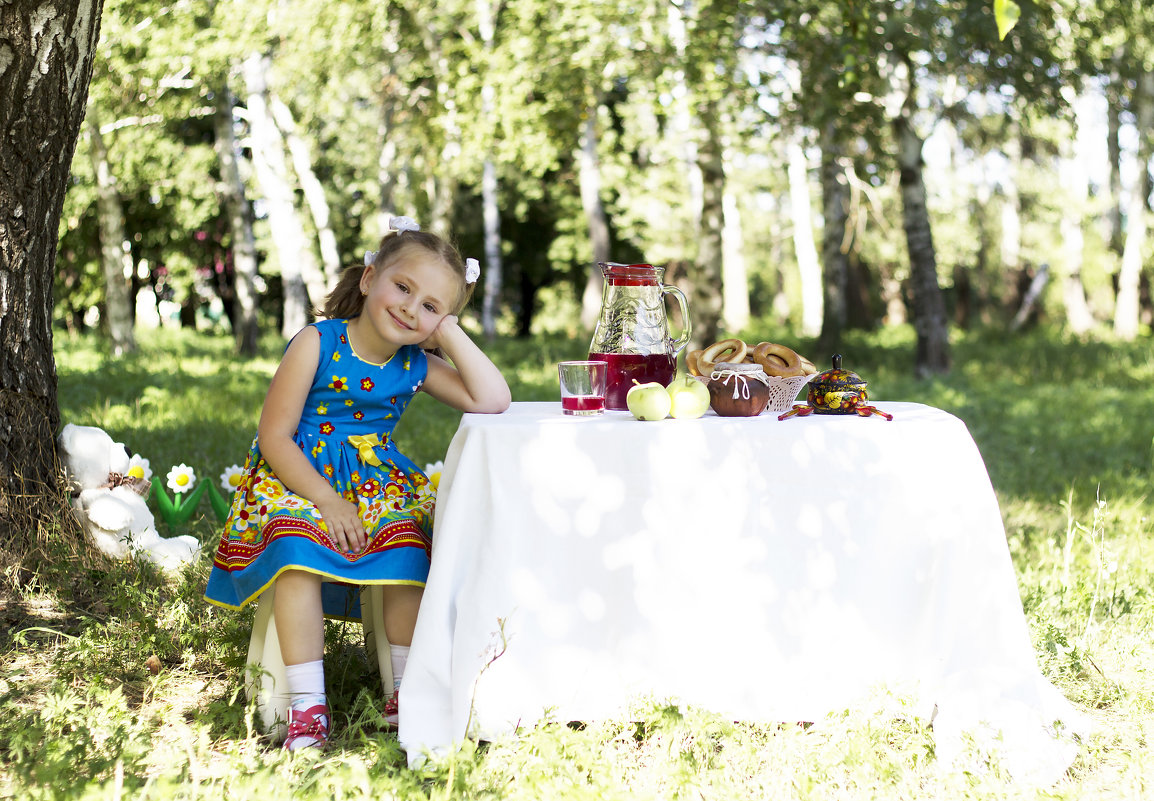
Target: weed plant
point(123, 683)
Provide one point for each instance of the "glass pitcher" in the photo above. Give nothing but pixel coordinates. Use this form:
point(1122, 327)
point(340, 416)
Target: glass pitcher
point(632, 332)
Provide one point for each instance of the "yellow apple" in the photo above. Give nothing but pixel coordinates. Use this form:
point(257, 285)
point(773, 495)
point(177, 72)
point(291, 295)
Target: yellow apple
point(688, 397)
point(648, 401)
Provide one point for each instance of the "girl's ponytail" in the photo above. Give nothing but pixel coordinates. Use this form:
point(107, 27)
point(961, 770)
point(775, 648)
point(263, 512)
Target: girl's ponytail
point(346, 300)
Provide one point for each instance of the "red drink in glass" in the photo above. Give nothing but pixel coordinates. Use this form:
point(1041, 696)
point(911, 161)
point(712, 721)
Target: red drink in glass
point(582, 387)
point(625, 367)
point(583, 403)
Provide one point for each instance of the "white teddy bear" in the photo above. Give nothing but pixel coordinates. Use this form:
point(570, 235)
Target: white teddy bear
point(112, 505)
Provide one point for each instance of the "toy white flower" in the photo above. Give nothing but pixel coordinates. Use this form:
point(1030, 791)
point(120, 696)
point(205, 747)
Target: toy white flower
point(433, 471)
point(138, 467)
point(231, 477)
point(181, 479)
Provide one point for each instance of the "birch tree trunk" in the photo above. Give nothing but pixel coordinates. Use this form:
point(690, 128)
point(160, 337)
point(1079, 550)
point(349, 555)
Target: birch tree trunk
point(929, 309)
point(1075, 176)
point(589, 176)
point(441, 182)
point(491, 217)
point(734, 278)
point(490, 204)
point(1126, 305)
point(45, 72)
point(805, 249)
point(927, 306)
point(245, 326)
point(1011, 245)
point(115, 254)
point(1114, 150)
point(314, 193)
point(301, 278)
point(835, 261)
point(707, 304)
point(388, 176)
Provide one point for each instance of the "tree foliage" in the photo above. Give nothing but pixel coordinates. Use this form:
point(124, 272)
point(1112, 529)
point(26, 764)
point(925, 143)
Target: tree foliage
point(391, 98)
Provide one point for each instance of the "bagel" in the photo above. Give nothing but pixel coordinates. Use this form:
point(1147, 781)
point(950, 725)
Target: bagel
point(727, 350)
point(778, 360)
point(691, 362)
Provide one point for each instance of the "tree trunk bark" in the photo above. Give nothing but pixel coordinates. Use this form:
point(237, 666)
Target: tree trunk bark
point(45, 72)
point(490, 202)
point(835, 262)
point(1075, 175)
point(300, 275)
point(707, 304)
point(441, 182)
point(314, 193)
point(734, 277)
point(1114, 149)
point(929, 308)
point(589, 176)
point(491, 216)
point(387, 169)
point(115, 255)
point(245, 327)
point(805, 249)
point(1126, 305)
point(1011, 249)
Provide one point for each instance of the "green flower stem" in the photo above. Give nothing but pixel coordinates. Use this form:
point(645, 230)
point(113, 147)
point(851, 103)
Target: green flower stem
point(176, 512)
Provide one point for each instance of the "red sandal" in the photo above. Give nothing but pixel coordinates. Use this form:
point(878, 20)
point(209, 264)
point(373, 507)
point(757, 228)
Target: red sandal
point(308, 728)
point(391, 714)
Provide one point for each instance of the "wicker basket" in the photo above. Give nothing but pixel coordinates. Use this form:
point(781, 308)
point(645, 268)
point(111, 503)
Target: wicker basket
point(783, 391)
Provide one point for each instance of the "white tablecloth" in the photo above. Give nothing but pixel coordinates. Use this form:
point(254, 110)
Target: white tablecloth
point(763, 569)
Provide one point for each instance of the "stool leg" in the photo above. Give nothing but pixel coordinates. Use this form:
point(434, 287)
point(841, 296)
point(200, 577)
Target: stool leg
point(265, 682)
point(373, 619)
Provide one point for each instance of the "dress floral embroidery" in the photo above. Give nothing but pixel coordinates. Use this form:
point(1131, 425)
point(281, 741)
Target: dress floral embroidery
point(346, 431)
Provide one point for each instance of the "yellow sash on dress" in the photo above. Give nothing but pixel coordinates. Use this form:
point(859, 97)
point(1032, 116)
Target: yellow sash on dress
point(364, 443)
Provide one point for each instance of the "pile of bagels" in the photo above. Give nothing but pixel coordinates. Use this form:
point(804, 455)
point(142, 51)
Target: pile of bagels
point(775, 360)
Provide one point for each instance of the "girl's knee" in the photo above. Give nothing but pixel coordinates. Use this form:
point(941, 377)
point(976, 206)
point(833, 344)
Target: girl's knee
point(297, 577)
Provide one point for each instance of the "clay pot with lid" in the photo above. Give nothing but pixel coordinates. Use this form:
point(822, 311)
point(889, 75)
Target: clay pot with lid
point(837, 391)
point(738, 390)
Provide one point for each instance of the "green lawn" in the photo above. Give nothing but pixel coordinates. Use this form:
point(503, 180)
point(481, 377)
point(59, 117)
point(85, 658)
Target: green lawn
point(1067, 432)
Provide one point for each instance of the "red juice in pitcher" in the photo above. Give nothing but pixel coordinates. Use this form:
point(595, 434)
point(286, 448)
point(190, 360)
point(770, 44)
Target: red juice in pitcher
point(625, 367)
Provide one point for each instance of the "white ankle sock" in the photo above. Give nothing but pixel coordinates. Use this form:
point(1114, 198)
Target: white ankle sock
point(306, 684)
point(399, 656)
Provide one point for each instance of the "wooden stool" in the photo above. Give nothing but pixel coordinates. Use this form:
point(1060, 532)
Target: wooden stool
point(265, 681)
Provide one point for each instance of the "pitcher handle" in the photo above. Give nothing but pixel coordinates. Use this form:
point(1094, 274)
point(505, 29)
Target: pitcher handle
point(683, 340)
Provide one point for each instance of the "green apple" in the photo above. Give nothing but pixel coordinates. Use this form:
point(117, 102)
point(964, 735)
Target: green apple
point(648, 401)
point(688, 397)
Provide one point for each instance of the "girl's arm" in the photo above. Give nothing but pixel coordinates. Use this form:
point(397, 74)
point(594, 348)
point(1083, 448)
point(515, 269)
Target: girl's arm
point(472, 383)
point(278, 422)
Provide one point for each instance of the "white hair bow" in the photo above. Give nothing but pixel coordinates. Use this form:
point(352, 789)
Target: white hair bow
point(370, 257)
point(402, 224)
point(472, 271)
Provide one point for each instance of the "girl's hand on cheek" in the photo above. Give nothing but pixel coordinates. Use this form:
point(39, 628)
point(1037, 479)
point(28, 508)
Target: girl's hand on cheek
point(434, 340)
point(343, 521)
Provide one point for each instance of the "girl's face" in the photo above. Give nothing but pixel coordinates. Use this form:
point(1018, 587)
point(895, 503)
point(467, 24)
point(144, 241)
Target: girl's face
point(407, 298)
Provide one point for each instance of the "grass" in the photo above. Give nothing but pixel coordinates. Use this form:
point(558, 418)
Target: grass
point(1067, 432)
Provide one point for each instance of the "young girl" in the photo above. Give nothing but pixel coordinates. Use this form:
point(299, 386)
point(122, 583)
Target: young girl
point(326, 494)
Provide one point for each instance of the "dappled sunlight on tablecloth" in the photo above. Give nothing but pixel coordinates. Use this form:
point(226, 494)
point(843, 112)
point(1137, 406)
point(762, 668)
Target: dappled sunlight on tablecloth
point(764, 570)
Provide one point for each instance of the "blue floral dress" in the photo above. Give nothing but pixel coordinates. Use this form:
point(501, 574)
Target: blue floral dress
point(346, 432)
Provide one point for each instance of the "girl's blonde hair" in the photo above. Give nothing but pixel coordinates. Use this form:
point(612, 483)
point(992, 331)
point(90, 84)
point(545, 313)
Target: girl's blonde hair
point(346, 300)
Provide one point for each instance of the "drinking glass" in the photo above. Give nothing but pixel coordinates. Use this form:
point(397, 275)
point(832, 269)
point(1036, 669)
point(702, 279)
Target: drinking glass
point(582, 387)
